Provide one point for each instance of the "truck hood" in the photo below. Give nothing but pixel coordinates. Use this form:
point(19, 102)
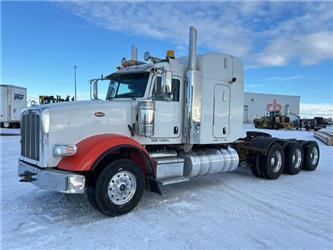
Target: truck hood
point(71, 122)
point(90, 103)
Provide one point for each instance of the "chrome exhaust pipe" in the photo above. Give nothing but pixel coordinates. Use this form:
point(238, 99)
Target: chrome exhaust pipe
point(192, 117)
point(134, 54)
point(192, 63)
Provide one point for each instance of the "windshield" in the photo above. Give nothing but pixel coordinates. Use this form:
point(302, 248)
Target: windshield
point(130, 85)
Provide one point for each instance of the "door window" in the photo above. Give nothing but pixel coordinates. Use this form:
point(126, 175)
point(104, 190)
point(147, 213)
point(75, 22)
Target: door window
point(157, 91)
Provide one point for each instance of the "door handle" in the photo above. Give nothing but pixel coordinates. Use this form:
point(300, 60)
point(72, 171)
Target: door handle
point(175, 130)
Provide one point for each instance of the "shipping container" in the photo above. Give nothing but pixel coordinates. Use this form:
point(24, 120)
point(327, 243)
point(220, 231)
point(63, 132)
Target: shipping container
point(12, 100)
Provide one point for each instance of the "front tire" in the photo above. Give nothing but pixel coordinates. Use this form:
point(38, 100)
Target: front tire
point(118, 189)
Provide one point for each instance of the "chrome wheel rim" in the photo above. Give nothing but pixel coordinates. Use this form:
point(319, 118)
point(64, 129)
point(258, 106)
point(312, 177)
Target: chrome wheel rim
point(276, 161)
point(314, 155)
point(122, 187)
point(297, 158)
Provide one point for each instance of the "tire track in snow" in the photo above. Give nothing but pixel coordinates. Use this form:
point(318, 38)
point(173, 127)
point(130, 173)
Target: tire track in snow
point(299, 222)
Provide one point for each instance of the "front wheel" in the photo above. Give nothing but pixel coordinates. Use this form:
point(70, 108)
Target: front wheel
point(118, 188)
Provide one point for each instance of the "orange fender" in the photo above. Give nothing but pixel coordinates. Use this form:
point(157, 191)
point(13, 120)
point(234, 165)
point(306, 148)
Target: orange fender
point(91, 149)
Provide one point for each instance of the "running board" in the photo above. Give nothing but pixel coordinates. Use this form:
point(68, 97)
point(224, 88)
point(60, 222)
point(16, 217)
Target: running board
point(168, 181)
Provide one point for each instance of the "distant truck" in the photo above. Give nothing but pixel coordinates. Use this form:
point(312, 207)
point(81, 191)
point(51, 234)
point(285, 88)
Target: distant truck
point(315, 124)
point(13, 99)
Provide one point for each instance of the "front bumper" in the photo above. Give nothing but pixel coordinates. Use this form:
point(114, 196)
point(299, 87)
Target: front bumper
point(52, 179)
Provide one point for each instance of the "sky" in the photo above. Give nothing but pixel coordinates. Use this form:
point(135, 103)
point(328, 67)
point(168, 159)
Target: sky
point(287, 47)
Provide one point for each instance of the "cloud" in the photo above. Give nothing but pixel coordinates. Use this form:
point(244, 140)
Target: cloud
point(283, 78)
point(311, 110)
point(265, 33)
point(309, 49)
point(254, 85)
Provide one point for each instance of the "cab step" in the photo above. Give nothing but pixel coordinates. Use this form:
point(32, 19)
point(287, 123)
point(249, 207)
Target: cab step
point(173, 180)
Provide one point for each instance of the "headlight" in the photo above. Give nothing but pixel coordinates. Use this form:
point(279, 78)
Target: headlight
point(64, 150)
point(46, 121)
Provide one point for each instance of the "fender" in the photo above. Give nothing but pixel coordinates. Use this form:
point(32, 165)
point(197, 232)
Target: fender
point(261, 144)
point(92, 149)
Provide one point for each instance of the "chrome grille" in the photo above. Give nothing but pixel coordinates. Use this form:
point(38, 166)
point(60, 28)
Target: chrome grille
point(30, 134)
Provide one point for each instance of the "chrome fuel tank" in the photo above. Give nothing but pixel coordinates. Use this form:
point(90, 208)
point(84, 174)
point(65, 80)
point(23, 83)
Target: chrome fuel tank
point(209, 161)
point(146, 113)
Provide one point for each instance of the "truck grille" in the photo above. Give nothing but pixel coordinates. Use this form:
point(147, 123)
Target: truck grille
point(30, 134)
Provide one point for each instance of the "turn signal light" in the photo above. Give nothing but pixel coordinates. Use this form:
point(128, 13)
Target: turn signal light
point(64, 150)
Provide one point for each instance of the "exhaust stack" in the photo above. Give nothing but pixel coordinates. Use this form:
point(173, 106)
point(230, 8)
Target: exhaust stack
point(134, 54)
point(192, 63)
point(192, 117)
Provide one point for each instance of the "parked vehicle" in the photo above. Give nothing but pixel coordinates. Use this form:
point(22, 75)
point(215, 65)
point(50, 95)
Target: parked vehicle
point(315, 124)
point(47, 99)
point(162, 122)
point(13, 101)
point(273, 120)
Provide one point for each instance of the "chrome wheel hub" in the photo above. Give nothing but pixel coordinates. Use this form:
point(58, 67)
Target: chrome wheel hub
point(122, 187)
point(276, 161)
point(314, 155)
point(297, 158)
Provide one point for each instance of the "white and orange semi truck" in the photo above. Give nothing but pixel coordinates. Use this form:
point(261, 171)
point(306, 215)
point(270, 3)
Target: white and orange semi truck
point(163, 121)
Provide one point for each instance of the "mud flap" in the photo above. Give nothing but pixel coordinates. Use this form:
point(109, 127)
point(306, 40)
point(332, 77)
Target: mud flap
point(153, 186)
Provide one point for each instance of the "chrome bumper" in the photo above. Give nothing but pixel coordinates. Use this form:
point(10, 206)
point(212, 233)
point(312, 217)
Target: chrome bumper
point(52, 179)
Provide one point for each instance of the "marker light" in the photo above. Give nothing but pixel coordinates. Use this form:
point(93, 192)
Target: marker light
point(64, 150)
point(46, 121)
point(170, 54)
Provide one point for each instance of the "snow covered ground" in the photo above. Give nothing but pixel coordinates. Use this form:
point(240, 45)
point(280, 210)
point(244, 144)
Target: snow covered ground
point(9, 131)
point(234, 210)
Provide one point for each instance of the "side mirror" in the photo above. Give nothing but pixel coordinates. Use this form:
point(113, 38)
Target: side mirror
point(95, 89)
point(166, 82)
point(146, 56)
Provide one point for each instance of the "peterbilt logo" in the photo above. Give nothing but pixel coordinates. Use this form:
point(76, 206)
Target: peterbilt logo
point(275, 106)
point(99, 114)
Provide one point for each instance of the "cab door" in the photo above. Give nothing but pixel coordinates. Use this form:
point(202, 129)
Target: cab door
point(168, 112)
point(221, 111)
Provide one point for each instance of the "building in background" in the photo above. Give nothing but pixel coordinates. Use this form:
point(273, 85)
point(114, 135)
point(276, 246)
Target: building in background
point(256, 105)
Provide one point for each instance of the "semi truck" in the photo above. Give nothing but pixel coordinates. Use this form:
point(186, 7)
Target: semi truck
point(163, 121)
point(13, 101)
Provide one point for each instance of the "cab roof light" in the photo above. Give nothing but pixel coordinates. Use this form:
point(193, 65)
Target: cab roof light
point(170, 54)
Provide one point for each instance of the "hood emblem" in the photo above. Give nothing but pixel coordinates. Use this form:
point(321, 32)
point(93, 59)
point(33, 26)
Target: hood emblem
point(99, 114)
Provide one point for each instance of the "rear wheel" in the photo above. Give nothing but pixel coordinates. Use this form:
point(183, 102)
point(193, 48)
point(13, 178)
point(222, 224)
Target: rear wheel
point(118, 188)
point(294, 158)
point(311, 155)
point(255, 168)
point(272, 164)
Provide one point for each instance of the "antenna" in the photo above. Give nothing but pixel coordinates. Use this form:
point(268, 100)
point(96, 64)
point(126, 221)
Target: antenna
point(75, 68)
point(101, 51)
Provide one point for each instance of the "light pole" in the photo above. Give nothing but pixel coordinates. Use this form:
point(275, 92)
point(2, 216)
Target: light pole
point(75, 67)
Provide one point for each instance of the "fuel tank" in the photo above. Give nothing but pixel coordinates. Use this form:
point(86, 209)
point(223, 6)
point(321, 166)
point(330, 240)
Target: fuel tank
point(209, 161)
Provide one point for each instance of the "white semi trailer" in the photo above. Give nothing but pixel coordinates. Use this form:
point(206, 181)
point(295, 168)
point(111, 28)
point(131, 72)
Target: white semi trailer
point(13, 100)
point(162, 122)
